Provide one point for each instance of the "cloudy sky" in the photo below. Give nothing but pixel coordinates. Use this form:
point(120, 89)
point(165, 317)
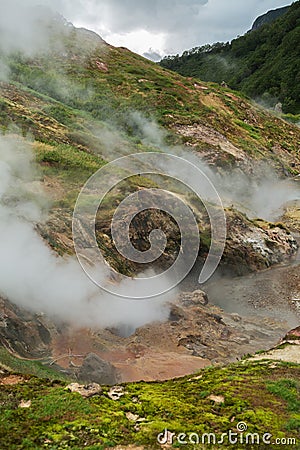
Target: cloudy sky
point(161, 26)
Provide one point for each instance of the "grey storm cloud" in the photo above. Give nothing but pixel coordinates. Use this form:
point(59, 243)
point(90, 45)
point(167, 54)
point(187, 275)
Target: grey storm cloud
point(156, 16)
point(184, 23)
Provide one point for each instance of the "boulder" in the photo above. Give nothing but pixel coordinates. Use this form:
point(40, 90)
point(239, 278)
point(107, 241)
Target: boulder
point(116, 392)
point(194, 298)
point(95, 369)
point(87, 390)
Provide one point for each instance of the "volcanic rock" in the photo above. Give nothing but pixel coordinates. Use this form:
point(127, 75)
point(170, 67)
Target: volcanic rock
point(87, 390)
point(95, 369)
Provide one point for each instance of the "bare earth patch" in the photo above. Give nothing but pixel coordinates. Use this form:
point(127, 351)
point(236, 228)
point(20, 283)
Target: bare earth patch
point(287, 354)
point(12, 379)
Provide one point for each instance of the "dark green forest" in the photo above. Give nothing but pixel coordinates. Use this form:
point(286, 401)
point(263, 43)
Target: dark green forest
point(263, 64)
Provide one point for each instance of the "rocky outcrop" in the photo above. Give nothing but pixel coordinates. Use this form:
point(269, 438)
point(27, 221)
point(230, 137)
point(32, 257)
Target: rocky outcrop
point(24, 333)
point(255, 245)
point(269, 17)
point(291, 216)
point(292, 337)
point(95, 369)
point(86, 390)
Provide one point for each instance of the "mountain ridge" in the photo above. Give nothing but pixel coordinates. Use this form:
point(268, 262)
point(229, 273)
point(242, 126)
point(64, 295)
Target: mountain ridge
point(269, 17)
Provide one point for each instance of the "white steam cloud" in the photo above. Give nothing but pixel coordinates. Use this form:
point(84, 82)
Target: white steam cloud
point(33, 277)
point(23, 28)
point(260, 195)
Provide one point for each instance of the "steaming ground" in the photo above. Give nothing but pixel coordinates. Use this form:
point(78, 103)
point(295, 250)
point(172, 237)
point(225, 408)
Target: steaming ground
point(29, 29)
point(33, 277)
point(263, 194)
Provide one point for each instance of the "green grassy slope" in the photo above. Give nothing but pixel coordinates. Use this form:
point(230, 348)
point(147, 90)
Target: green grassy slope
point(265, 396)
point(14, 364)
point(263, 64)
point(64, 96)
point(84, 102)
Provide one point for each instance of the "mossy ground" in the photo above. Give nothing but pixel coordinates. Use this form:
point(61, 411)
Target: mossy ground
point(265, 395)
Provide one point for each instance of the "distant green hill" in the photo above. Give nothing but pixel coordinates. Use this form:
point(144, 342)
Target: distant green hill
point(263, 63)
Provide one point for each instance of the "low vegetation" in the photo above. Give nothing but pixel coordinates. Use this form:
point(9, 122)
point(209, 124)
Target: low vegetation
point(262, 63)
point(265, 395)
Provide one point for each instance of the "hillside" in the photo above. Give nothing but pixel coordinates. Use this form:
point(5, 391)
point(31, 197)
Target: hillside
point(66, 110)
point(263, 64)
point(88, 101)
point(80, 102)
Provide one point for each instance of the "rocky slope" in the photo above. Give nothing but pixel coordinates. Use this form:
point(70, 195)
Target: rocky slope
point(269, 17)
point(196, 335)
point(84, 102)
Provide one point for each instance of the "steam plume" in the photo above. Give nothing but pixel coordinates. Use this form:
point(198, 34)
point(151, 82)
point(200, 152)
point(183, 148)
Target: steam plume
point(33, 277)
